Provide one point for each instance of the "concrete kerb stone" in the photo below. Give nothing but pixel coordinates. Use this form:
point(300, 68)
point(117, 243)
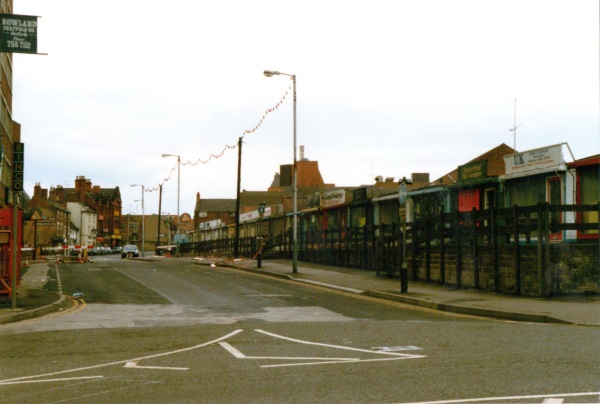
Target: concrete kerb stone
point(243, 268)
point(15, 316)
point(451, 308)
point(328, 285)
point(473, 311)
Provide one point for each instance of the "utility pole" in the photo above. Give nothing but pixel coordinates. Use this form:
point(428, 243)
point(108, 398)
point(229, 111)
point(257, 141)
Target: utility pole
point(159, 211)
point(236, 242)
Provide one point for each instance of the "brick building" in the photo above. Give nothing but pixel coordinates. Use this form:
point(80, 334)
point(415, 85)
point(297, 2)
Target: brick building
point(106, 202)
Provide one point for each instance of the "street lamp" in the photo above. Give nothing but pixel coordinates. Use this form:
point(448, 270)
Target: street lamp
point(143, 219)
point(270, 73)
point(178, 183)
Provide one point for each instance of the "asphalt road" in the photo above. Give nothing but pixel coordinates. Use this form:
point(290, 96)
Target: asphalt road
point(166, 332)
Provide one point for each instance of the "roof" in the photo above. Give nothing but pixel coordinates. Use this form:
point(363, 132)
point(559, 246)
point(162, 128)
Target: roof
point(107, 194)
point(252, 198)
point(495, 164)
point(215, 205)
point(586, 161)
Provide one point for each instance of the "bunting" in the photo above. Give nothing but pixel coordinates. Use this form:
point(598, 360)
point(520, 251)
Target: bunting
point(227, 147)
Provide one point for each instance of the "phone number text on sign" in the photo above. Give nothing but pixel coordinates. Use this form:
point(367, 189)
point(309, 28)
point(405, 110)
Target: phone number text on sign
point(18, 33)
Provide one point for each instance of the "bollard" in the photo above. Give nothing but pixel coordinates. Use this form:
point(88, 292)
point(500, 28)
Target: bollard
point(403, 278)
point(259, 252)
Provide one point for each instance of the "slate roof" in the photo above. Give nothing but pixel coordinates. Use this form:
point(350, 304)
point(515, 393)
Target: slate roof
point(215, 205)
point(495, 164)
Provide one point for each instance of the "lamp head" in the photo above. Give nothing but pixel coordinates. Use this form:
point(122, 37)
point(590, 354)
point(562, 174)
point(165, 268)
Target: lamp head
point(270, 73)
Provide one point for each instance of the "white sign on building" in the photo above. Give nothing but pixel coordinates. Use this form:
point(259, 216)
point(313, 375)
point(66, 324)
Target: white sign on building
point(532, 160)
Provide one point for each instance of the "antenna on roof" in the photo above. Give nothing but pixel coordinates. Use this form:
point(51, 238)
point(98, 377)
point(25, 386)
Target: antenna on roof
point(515, 126)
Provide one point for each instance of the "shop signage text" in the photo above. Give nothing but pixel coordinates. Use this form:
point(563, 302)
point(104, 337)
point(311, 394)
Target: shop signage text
point(18, 169)
point(545, 157)
point(334, 198)
point(473, 171)
point(18, 33)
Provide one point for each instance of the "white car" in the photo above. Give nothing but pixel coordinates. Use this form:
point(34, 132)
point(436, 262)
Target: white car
point(130, 250)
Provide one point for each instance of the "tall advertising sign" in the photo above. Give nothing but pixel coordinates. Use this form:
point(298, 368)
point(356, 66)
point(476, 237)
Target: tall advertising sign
point(18, 33)
point(18, 168)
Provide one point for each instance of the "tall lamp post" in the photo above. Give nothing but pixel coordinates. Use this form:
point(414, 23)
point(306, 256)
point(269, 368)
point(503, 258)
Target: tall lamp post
point(143, 219)
point(178, 184)
point(270, 73)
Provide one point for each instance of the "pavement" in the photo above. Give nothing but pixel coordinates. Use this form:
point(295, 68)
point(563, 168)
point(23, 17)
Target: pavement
point(577, 310)
point(32, 299)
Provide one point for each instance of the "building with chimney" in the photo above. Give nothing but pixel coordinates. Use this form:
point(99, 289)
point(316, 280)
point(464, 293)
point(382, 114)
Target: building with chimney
point(105, 202)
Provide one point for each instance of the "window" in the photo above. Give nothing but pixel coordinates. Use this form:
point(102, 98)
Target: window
point(528, 192)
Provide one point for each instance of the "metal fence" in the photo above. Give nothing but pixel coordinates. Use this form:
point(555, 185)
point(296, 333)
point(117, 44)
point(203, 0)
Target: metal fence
point(542, 250)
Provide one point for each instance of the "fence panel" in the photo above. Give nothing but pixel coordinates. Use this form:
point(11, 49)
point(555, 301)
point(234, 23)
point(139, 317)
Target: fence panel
point(505, 250)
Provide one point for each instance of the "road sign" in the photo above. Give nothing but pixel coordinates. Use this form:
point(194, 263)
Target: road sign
point(402, 193)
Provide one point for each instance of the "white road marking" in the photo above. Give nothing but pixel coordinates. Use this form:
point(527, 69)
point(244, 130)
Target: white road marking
point(339, 346)
point(58, 281)
point(316, 360)
point(133, 364)
point(396, 348)
point(240, 355)
point(553, 401)
point(508, 398)
point(64, 379)
point(6, 381)
point(333, 362)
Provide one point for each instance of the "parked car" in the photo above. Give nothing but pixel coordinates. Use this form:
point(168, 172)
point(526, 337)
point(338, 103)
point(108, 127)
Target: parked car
point(130, 251)
point(95, 251)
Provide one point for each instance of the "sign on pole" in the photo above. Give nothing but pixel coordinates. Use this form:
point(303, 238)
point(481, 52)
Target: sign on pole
point(18, 169)
point(18, 33)
point(402, 193)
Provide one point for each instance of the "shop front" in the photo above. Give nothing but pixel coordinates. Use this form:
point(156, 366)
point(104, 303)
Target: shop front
point(476, 188)
point(539, 176)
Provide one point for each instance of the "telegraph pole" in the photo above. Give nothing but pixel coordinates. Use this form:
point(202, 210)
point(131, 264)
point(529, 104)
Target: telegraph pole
point(159, 217)
point(236, 241)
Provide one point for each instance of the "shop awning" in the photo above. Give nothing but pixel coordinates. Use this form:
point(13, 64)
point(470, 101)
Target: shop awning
point(426, 191)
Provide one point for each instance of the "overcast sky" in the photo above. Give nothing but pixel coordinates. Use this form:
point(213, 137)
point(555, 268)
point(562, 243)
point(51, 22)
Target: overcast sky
point(383, 88)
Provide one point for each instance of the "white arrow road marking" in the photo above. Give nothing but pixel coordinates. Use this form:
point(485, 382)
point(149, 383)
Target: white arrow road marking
point(396, 348)
point(240, 355)
point(134, 364)
point(64, 379)
point(204, 344)
point(511, 398)
point(321, 360)
point(407, 356)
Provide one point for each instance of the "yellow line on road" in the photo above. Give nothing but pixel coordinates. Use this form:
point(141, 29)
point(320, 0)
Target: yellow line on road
point(77, 306)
